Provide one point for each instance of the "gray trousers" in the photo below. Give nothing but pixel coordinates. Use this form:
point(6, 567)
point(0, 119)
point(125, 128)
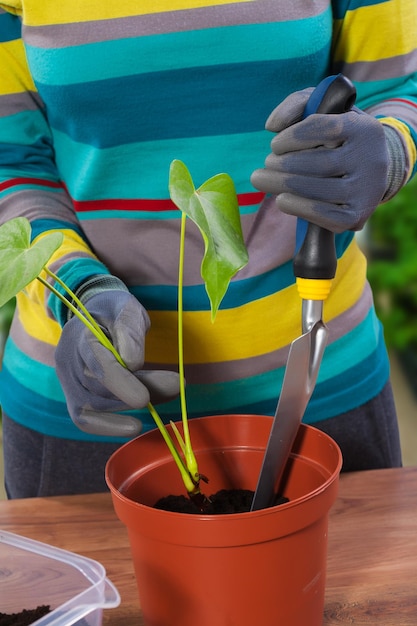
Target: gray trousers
point(39, 465)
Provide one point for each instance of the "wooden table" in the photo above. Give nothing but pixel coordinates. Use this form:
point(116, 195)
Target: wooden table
point(372, 562)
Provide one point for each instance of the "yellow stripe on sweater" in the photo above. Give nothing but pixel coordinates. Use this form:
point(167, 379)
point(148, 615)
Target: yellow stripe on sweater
point(251, 330)
point(361, 21)
point(34, 320)
point(18, 79)
point(254, 329)
point(38, 13)
point(13, 6)
point(32, 302)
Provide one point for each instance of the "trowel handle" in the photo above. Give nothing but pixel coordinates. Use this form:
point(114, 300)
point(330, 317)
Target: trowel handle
point(334, 94)
point(315, 262)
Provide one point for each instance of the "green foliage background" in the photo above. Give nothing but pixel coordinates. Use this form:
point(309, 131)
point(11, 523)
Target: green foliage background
point(392, 268)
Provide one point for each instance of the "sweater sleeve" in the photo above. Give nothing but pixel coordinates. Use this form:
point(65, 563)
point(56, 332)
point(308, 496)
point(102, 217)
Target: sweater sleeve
point(375, 45)
point(30, 184)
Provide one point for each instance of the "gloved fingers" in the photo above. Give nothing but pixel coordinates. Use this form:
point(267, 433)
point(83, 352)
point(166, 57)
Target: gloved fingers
point(289, 112)
point(163, 385)
point(110, 374)
point(328, 190)
point(334, 217)
point(96, 385)
point(135, 389)
point(268, 181)
point(107, 424)
point(124, 321)
point(128, 332)
point(320, 162)
point(355, 128)
point(313, 132)
point(329, 169)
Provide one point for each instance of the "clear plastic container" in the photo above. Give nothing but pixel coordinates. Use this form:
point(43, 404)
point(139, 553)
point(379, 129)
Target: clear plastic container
point(34, 574)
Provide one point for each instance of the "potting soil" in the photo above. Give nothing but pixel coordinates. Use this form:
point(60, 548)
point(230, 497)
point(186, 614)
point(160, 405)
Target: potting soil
point(24, 617)
point(225, 501)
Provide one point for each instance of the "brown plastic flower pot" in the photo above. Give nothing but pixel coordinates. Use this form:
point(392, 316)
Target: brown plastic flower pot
point(263, 567)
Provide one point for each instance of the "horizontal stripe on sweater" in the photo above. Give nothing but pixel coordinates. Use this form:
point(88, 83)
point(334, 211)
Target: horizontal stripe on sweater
point(257, 394)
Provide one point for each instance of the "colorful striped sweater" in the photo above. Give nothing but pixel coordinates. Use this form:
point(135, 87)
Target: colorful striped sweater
point(96, 100)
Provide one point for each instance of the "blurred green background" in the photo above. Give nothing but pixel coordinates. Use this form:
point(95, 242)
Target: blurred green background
point(391, 247)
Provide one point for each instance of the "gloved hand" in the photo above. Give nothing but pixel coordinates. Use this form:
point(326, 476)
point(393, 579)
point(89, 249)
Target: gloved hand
point(332, 170)
point(94, 383)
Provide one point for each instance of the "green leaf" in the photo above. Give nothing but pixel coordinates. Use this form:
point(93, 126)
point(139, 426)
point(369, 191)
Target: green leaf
point(20, 261)
point(214, 208)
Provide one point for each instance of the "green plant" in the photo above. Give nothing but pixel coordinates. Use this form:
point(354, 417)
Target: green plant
point(213, 207)
point(392, 269)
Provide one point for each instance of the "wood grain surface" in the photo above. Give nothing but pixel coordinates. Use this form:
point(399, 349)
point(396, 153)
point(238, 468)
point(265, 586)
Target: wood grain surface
point(372, 556)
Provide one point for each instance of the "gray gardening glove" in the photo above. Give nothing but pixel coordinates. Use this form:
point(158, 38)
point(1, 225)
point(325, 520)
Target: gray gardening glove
point(332, 170)
point(94, 383)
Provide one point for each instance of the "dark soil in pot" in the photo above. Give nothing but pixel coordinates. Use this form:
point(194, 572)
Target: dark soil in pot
point(24, 617)
point(225, 501)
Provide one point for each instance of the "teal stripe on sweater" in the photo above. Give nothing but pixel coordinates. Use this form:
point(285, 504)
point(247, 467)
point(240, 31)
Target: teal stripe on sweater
point(141, 170)
point(40, 380)
point(164, 297)
point(342, 6)
point(73, 274)
point(17, 186)
point(369, 92)
point(14, 128)
point(135, 56)
point(9, 27)
point(42, 225)
point(353, 348)
point(150, 102)
point(259, 394)
point(347, 389)
point(49, 417)
point(240, 292)
point(112, 214)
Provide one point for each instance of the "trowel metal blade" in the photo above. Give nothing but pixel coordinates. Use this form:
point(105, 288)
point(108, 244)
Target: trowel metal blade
point(300, 377)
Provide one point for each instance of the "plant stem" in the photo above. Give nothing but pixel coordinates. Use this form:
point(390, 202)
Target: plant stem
point(86, 318)
point(92, 326)
point(185, 474)
point(75, 298)
point(190, 459)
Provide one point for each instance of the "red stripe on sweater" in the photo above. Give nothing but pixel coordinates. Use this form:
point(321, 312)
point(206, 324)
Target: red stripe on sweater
point(14, 182)
point(149, 205)
point(404, 101)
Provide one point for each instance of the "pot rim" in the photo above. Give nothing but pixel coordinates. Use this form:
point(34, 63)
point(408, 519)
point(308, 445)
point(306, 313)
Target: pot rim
point(313, 494)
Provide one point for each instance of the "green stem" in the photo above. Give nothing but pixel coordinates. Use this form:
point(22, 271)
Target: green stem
point(185, 474)
point(86, 318)
point(190, 459)
point(93, 327)
point(74, 297)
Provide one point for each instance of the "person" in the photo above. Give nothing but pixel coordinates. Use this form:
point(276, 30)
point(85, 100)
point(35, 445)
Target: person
point(96, 100)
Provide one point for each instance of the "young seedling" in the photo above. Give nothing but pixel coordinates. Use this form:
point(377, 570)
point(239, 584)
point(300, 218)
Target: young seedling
point(213, 207)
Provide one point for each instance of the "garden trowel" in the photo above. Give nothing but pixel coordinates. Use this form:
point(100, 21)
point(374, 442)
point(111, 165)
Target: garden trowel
point(314, 267)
